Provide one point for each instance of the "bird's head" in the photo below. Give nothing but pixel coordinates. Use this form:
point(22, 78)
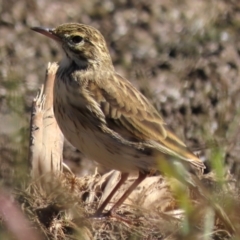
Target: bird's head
point(82, 44)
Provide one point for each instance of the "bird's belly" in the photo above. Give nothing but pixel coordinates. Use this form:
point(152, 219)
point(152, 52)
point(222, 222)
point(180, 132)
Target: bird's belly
point(80, 131)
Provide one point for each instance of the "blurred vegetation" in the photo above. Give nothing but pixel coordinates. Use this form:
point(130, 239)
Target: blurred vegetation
point(184, 55)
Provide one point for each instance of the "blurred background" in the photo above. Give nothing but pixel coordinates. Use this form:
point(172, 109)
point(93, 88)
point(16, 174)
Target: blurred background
point(184, 55)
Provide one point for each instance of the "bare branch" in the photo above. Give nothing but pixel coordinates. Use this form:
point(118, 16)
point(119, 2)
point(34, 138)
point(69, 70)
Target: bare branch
point(46, 139)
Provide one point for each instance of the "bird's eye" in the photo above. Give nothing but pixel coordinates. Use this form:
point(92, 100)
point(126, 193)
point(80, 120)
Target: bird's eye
point(76, 39)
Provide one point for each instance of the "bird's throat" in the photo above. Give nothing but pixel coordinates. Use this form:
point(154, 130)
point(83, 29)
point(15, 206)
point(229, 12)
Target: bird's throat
point(68, 64)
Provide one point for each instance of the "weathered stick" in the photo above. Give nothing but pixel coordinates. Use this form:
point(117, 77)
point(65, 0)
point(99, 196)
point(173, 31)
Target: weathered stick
point(46, 139)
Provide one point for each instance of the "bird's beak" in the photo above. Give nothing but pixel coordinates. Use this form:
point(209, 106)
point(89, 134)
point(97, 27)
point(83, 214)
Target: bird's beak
point(47, 32)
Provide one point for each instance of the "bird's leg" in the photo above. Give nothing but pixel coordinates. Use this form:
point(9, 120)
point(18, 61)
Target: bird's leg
point(141, 177)
point(99, 211)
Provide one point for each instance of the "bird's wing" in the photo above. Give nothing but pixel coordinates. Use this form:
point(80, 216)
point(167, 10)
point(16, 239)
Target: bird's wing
point(132, 116)
point(125, 105)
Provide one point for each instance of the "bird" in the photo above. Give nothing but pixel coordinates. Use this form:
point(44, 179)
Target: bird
point(106, 118)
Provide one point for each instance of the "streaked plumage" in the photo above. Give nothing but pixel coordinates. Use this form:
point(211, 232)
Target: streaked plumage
point(103, 115)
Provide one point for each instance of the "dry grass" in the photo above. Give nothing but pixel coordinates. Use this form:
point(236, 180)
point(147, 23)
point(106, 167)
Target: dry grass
point(63, 210)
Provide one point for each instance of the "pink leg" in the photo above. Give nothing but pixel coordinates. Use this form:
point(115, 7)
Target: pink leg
point(141, 177)
point(123, 178)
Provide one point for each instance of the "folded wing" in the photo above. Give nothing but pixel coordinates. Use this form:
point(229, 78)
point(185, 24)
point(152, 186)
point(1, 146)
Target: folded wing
point(132, 116)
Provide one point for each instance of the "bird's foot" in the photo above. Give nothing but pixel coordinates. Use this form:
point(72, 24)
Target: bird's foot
point(110, 214)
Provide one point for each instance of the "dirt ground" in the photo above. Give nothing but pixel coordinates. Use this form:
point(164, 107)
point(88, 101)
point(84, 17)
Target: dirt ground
point(183, 55)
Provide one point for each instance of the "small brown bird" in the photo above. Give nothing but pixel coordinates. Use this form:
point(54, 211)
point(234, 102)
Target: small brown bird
point(105, 117)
